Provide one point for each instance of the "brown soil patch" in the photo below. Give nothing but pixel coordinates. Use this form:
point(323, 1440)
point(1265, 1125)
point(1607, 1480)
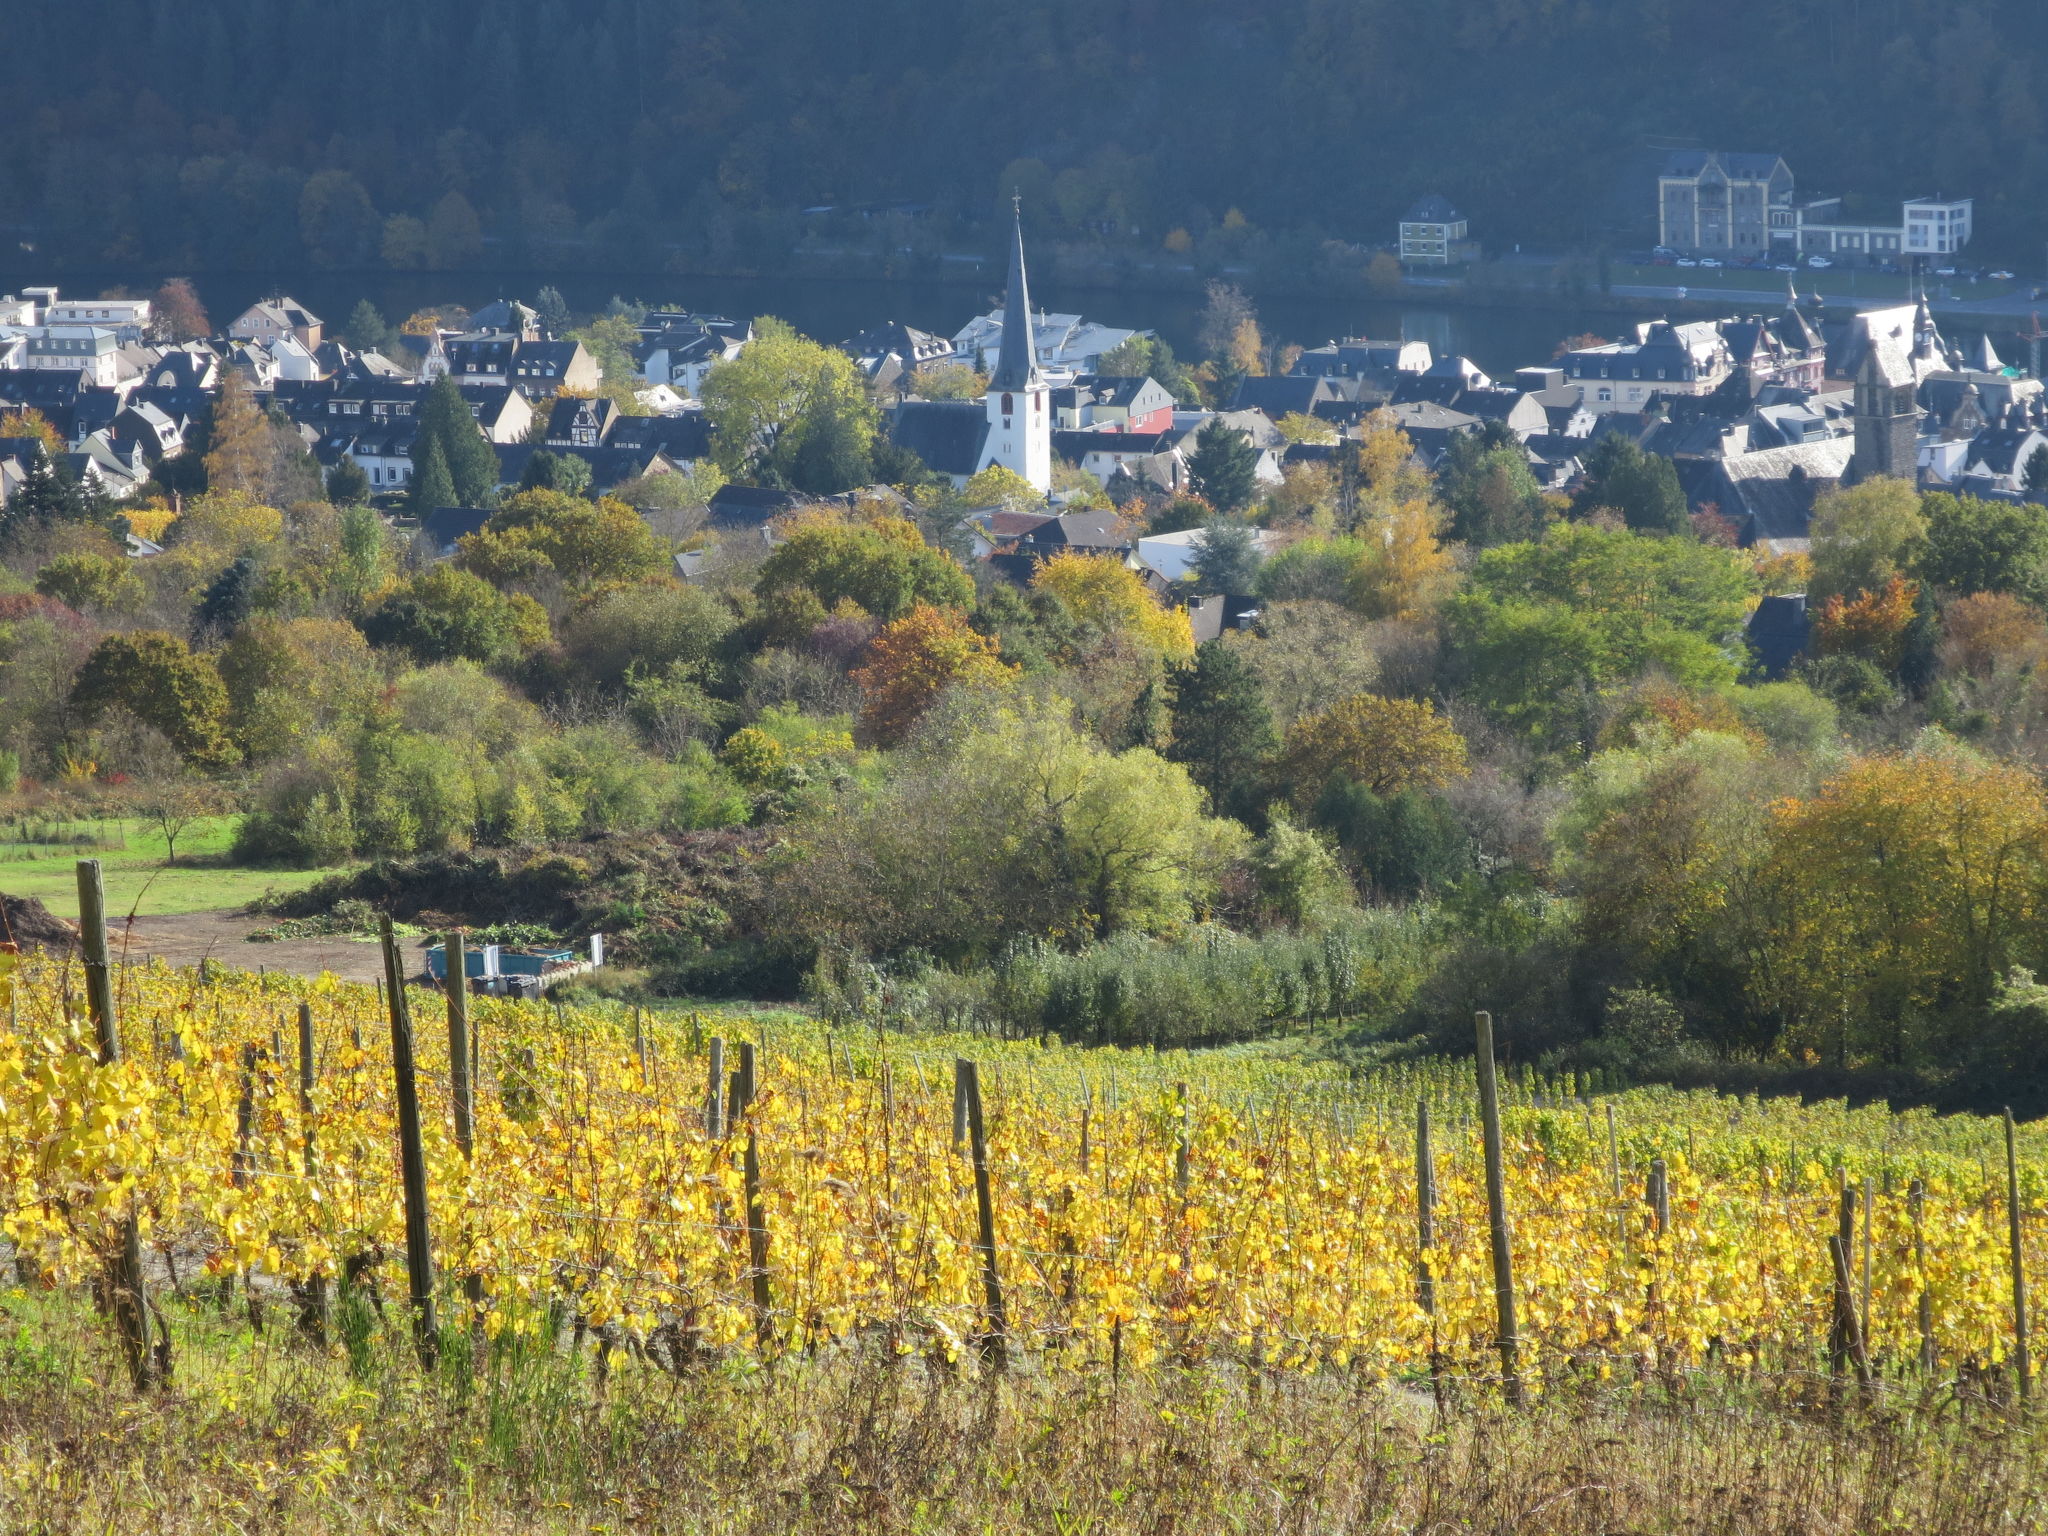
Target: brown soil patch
point(187, 939)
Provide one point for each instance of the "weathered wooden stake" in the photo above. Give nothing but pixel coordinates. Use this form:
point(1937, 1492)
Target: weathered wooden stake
point(147, 1367)
point(419, 1254)
point(959, 1107)
point(463, 1089)
point(1425, 1210)
point(1845, 1307)
point(1180, 1146)
point(315, 1307)
point(1916, 1201)
point(1497, 1213)
point(2020, 1363)
point(714, 1093)
point(995, 1341)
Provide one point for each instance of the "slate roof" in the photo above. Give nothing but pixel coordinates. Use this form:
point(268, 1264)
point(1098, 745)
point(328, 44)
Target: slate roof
point(1778, 632)
point(1774, 489)
point(608, 465)
point(683, 437)
point(947, 434)
point(750, 506)
point(1431, 208)
point(444, 525)
point(1743, 167)
point(1017, 359)
point(1280, 394)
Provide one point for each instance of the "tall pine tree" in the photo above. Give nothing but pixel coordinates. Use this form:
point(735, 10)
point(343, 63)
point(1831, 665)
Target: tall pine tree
point(431, 487)
point(467, 459)
point(240, 453)
point(1222, 730)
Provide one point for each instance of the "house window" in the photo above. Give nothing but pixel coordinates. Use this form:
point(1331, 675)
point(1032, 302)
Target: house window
point(1606, 394)
point(1008, 405)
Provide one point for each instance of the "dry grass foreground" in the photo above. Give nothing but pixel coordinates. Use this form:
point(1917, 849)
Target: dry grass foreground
point(263, 1433)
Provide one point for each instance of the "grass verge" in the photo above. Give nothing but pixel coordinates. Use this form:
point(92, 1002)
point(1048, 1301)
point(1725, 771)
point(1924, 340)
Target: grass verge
point(134, 855)
point(265, 1432)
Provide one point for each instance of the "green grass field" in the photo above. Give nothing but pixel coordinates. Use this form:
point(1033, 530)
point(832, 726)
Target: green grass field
point(137, 876)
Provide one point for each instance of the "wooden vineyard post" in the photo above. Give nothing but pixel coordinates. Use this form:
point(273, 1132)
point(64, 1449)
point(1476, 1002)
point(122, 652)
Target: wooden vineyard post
point(714, 1093)
point(1497, 1213)
point(1425, 1219)
point(1180, 1146)
point(2020, 1363)
point(1845, 1307)
point(460, 1086)
point(959, 1106)
point(147, 1367)
point(968, 1076)
point(1916, 1202)
point(743, 1085)
point(412, 1155)
point(313, 1313)
point(1844, 1320)
point(462, 1089)
point(1863, 1292)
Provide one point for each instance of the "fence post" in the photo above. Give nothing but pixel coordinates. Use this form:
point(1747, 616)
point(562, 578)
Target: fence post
point(714, 1093)
point(757, 1213)
point(463, 1090)
point(1916, 1202)
point(131, 1304)
point(1497, 1213)
point(1845, 1307)
point(1425, 1214)
point(419, 1255)
point(313, 1313)
point(968, 1075)
point(959, 1106)
point(2019, 1269)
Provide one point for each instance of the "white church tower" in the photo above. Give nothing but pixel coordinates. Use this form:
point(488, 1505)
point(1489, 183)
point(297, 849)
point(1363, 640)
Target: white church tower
point(1019, 400)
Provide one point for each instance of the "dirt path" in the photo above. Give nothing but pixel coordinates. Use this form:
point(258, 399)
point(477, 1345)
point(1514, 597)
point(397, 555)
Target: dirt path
point(223, 936)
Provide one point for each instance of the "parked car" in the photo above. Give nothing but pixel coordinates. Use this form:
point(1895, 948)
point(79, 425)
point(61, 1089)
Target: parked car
point(1944, 271)
point(1687, 261)
point(2001, 276)
point(1786, 266)
point(1708, 261)
point(1818, 263)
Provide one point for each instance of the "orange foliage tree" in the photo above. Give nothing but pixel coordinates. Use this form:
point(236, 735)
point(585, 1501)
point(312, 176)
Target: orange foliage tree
point(1987, 628)
point(1871, 625)
point(914, 660)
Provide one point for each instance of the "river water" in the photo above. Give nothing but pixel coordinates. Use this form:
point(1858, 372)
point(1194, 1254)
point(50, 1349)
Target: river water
point(832, 309)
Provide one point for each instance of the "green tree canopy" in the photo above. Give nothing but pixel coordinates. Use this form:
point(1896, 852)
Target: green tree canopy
point(157, 678)
point(1223, 469)
point(791, 410)
point(1985, 546)
point(883, 565)
point(1222, 729)
point(1642, 487)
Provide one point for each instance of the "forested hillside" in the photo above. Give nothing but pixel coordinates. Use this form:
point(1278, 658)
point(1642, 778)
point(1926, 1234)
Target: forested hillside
point(253, 133)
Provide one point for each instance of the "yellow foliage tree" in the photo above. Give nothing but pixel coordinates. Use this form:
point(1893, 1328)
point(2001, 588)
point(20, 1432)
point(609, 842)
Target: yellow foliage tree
point(1406, 570)
point(1385, 745)
point(1105, 592)
point(1906, 886)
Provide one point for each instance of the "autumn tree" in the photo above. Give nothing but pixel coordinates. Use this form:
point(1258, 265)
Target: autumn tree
point(1492, 495)
point(882, 564)
point(239, 451)
point(915, 660)
point(1642, 487)
point(1386, 745)
point(1111, 596)
point(175, 313)
point(29, 423)
point(1872, 624)
point(783, 389)
point(538, 534)
point(1863, 536)
point(157, 678)
point(1989, 630)
point(1304, 652)
point(1904, 889)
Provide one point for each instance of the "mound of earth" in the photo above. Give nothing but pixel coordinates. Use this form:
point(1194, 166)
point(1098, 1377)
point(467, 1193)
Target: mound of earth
point(27, 922)
point(661, 901)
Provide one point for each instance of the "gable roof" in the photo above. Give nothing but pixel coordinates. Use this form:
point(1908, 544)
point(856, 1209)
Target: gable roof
point(1743, 167)
point(1431, 208)
point(946, 434)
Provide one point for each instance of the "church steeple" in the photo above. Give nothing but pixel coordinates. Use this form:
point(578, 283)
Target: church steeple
point(1017, 361)
point(1019, 435)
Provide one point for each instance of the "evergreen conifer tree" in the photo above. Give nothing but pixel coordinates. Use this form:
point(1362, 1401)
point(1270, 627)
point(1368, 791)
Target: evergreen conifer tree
point(431, 486)
point(471, 466)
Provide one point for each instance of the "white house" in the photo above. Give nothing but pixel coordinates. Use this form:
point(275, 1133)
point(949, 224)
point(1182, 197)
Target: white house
point(83, 349)
point(127, 318)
